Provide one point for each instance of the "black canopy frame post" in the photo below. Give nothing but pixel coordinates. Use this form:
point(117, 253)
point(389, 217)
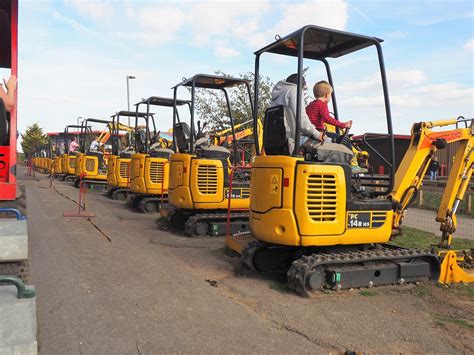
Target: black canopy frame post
point(86, 129)
point(206, 81)
point(67, 135)
point(116, 127)
point(149, 116)
point(319, 43)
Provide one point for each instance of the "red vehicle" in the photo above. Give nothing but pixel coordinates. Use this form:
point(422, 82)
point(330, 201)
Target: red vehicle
point(8, 122)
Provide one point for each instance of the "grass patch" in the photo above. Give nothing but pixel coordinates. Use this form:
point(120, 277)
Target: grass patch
point(465, 289)
point(367, 293)
point(422, 291)
point(418, 239)
point(432, 200)
point(441, 320)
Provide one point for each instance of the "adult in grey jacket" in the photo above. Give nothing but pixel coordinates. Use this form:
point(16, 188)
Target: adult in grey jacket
point(285, 93)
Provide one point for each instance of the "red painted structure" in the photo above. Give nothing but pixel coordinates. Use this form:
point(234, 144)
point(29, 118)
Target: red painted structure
point(9, 60)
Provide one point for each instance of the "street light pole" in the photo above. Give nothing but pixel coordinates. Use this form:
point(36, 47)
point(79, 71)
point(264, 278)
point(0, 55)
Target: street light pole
point(128, 95)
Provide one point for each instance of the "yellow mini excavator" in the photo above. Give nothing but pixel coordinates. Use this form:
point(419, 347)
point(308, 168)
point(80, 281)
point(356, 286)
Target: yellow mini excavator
point(91, 165)
point(118, 163)
point(150, 164)
point(311, 218)
point(201, 170)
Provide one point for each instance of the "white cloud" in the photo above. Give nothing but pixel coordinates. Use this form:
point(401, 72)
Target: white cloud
point(397, 79)
point(225, 52)
point(211, 20)
point(469, 45)
point(97, 10)
point(323, 13)
point(412, 98)
point(158, 24)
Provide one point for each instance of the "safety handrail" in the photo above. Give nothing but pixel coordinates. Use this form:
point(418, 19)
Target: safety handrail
point(22, 291)
point(19, 215)
point(374, 136)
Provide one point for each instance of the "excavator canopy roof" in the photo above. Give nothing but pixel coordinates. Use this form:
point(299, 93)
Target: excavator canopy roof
point(319, 43)
point(130, 114)
point(164, 101)
point(212, 81)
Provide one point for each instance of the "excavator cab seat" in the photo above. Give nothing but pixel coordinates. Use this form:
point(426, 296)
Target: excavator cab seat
point(182, 134)
point(216, 152)
point(127, 154)
point(277, 133)
point(161, 153)
point(278, 139)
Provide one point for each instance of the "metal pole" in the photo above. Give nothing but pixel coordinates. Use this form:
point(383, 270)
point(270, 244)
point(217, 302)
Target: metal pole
point(128, 98)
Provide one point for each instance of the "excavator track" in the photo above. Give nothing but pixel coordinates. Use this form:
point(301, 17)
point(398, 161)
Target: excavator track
point(215, 224)
point(383, 265)
point(119, 194)
point(146, 203)
point(150, 204)
point(86, 183)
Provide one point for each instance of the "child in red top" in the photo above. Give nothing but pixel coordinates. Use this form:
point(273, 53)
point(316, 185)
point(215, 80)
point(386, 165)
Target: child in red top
point(318, 111)
point(318, 114)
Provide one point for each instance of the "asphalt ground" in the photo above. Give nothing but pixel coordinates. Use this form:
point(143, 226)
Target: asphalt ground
point(116, 284)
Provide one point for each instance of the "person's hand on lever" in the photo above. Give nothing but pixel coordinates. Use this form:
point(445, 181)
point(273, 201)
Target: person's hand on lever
point(348, 124)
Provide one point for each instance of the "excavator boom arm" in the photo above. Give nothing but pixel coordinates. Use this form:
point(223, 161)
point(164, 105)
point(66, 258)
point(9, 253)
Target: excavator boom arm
point(424, 143)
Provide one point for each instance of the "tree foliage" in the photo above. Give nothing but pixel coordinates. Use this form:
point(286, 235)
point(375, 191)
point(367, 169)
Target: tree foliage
point(211, 107)
point(32, 139)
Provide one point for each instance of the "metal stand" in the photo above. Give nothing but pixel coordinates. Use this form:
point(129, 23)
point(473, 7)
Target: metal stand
point(81, 212)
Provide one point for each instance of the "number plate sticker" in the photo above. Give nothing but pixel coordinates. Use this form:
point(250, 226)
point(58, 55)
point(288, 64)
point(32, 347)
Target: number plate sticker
point(358, 220)
point(236, 193)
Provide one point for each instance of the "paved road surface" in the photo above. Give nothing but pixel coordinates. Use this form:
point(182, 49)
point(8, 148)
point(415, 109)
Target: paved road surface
point(425, 220)
point(148, 291)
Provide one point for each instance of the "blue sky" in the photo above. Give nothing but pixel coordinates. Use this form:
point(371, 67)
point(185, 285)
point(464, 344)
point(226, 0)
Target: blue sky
point(75, 55)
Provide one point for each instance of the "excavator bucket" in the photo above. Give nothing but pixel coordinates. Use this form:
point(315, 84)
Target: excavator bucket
point(457, 266)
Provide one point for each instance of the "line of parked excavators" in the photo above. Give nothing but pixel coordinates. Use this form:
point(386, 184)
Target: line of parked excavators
point(282, 208)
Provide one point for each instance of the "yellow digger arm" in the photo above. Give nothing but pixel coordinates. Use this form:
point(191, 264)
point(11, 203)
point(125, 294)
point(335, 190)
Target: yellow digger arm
point(424, 143)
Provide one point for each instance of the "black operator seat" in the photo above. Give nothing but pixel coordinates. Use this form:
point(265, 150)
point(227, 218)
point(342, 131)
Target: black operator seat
point(161, 152)
point(277, 133)
point(278, 139)
point(182, 134)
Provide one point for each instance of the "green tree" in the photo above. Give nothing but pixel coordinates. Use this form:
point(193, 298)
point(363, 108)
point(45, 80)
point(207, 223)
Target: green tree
point(32, 139)
point(211, 107)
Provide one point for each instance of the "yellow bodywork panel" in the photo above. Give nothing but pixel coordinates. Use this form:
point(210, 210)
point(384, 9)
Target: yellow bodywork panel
point(199, 184)
point(57, 165)
point(207, 181)
point(87, 166)
point(304, 204)
point(118, 171)
point(71, 164)
point(149, 175)
point(270, 178)
point(111, 177)
point(137, 180)
point(64, 159)
point(320, 199)
point(451, 272)
point(78, 164)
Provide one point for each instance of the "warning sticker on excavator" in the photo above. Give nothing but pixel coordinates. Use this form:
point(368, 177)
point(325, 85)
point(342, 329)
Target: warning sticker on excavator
point(274, 184)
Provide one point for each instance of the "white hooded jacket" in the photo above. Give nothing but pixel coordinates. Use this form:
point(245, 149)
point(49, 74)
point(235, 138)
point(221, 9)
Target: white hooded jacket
point(285, 93)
